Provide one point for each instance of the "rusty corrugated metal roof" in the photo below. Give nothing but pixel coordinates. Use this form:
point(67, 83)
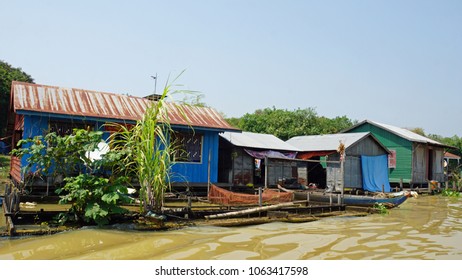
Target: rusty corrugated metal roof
point(88, 103)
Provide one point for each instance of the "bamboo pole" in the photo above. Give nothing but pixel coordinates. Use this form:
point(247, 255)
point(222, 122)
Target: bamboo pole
point(284, 189)
point(249, 211)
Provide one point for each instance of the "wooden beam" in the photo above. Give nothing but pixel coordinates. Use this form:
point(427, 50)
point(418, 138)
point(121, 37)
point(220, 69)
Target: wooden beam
point(249, 211)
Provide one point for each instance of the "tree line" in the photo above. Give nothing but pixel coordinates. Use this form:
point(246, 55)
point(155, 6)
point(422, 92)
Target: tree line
point(286, 124)
point(281, 123)
point(8, 74)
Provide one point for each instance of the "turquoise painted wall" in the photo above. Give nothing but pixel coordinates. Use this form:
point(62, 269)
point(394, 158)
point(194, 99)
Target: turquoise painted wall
point(402, 147)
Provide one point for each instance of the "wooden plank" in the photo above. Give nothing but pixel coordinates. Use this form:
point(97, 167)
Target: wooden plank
point(249, 211)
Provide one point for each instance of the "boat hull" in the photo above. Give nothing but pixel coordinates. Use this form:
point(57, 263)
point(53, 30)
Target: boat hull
point(351, 200)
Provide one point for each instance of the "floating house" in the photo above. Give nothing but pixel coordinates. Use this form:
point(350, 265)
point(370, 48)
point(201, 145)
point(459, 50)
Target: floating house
point(414, 159)
point(256, 159)
point(39, 109)
point(364, 166)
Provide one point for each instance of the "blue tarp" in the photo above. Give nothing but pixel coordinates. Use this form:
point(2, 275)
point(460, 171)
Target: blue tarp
point(375, 173)
point(3, 148)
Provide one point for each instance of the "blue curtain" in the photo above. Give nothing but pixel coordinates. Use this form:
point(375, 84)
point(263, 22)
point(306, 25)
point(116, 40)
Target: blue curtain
point(375, 173)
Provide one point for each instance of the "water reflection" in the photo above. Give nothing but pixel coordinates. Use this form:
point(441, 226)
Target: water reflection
point(428, 227)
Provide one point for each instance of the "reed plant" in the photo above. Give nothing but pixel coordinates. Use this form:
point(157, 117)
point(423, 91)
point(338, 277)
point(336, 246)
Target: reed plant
point(149, 151)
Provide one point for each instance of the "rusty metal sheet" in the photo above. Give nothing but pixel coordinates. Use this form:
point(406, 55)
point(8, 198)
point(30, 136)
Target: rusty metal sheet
point(87, 103)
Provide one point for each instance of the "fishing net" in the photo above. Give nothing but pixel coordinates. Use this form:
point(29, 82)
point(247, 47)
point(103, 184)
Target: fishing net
point(224, 197)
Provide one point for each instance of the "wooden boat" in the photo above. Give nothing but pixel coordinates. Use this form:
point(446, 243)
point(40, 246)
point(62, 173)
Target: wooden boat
point(389, 200)
point(350, 199)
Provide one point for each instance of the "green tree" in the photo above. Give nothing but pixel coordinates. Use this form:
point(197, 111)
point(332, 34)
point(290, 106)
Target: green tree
point(8, 74)
point(285, 124)
point(418, 130)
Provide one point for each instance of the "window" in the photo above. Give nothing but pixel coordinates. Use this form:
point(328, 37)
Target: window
point(63, 128)
point(188, 147)
point(392, 159)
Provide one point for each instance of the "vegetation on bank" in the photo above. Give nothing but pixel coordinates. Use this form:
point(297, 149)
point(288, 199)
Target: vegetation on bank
point(450, 193)
point(94, 182)
point(4, 172)
point(8, 74)
point(85, 183)
point(285, 124)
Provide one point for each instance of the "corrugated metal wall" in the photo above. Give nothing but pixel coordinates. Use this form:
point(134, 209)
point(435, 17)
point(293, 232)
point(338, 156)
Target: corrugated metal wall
point(352, 166)
point(367, 147)
point(352, 172)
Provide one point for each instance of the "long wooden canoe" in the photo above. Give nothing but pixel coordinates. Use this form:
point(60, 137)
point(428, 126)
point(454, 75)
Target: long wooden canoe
point(350, 199)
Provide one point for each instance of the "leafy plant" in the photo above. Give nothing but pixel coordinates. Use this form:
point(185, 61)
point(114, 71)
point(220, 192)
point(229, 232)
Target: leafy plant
point(450, 193)
point(53, 155)
point(382, 209)
point(94, 198)
point(93, 191)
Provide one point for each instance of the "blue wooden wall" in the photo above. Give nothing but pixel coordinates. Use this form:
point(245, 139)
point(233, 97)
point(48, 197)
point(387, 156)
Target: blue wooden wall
point(195, 172)
point(35, 125)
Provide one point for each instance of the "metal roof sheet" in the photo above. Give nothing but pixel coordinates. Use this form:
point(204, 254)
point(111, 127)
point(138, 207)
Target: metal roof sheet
point(451, 156)
point(328, 142)
point(88, 103)
point(402, 132)
point(257, 141)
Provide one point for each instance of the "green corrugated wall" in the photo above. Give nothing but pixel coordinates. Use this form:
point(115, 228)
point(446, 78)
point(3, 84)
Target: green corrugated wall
point(402, 147)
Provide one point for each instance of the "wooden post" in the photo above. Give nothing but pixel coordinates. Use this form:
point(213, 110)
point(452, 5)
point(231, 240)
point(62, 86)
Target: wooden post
point(330, 199)
point(260, 197)
point(266, 171)
point(48, 185)
point(383, 188)
point(401, 184)
point(341, 151)
point(189, 198)
point(342, 175)
point(208, 171)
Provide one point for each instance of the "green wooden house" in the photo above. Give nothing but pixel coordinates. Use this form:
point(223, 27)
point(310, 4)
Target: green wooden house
point(414, 159)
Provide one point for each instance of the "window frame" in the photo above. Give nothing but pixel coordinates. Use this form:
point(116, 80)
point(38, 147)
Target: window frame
point(186, 135)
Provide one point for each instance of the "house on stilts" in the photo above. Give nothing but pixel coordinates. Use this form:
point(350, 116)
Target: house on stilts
point(365, 164)
point(257, 159)
point(414, 159)
point(39, 109)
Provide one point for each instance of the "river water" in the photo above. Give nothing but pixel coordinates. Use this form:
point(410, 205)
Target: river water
point(427, 227)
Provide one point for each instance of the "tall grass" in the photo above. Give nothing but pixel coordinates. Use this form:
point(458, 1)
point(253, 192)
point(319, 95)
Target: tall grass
point(149, 152)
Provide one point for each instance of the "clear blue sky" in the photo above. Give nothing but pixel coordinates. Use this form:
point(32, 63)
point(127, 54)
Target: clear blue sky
point(395, 62)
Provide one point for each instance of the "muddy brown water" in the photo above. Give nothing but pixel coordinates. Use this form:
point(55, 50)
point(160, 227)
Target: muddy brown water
point(429, 227)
